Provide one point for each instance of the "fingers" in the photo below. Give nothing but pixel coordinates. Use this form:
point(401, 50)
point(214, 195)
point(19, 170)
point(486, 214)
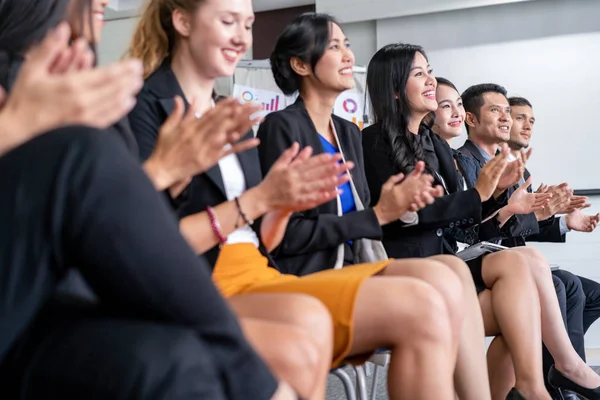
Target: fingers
point(305, 154)
point(287, 156)
point(175, 117)
point(419, 168)
point(44, 55)
point(528, 182)
point(242, 146)
point(393, 181)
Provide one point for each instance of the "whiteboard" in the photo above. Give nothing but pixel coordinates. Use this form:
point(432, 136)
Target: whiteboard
point(560, 76)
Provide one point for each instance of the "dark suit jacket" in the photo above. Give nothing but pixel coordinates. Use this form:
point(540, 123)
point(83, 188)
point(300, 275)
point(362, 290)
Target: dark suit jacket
point(457, 208)
point(312, 237)
point(519, 226)
point(154, 104)
point(549, 228)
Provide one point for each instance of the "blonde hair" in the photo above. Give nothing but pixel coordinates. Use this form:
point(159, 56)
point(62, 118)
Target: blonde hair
point(155, 36)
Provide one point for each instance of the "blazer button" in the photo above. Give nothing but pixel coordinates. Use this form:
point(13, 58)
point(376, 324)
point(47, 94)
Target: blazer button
point(457, 223)
point(464, 221)
point(439, 232)
point(471, 220)
point(451, 224)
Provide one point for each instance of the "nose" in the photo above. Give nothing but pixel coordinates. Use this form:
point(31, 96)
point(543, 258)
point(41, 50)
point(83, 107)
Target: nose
point(431, 81)
point(526, 125)
point(348, 55)
point(243, 37)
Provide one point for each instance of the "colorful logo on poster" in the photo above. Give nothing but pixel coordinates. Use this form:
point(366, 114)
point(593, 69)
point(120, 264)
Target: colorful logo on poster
point(247, 96)
point(350, 106)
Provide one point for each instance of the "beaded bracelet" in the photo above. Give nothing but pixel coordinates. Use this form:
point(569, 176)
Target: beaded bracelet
point(216, 226)
point(244, 217)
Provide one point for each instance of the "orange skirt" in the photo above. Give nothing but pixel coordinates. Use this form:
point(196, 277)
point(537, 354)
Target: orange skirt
point(242, 269)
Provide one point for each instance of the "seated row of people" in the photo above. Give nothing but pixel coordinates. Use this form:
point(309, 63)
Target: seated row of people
point(310, 215)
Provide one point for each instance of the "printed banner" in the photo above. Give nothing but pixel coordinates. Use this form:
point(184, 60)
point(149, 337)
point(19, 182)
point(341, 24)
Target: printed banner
point(350, 105)
point(271, 101)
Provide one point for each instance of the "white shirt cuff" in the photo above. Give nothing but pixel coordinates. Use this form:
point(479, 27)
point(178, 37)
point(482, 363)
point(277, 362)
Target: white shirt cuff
point(410, 218)
point(563, 225)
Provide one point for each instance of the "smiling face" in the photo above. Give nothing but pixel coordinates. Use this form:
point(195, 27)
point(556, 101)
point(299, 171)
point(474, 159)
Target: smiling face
point(217, 35)
point(494, 121)
point(522, 128)
point(333, 71)
point(91, 29)
point(421, 87)
point(450, 114)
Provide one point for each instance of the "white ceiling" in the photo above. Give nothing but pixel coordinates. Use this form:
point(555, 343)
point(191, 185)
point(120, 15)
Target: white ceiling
point(128, 8)
point(267, 5)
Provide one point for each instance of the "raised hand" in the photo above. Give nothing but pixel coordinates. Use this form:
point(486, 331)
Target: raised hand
point(514, 171)
point(188, 145)
point(523, 202)
point(298, 181)
point(580, 222)
point(487, 181)
point(561, 196)
point(95, 97)
point(576, 203)
point(400, 194)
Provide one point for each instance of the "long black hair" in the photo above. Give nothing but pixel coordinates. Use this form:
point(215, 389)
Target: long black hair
point(307, 38)
point(25, 23)
point(387, 75)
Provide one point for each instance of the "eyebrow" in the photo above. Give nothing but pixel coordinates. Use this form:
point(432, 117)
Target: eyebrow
point(413, 68)
point(499, 105)
point(338, 40)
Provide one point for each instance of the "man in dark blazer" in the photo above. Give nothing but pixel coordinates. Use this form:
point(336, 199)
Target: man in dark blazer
point(489, 123)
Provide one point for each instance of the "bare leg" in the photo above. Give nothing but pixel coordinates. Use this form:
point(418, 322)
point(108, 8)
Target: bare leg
point(512, 307)
point(411, 318)
point(470, 378)
point(554, 334)
point(304, 362)
point(501, 369)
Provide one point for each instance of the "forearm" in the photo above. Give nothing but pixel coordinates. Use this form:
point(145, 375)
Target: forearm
point(272, 228)
point(158, 175)
point(197, 228)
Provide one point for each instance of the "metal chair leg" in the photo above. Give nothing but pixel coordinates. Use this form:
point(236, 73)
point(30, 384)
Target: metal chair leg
point(375, 381)
point(361, 382)
point(347, 382)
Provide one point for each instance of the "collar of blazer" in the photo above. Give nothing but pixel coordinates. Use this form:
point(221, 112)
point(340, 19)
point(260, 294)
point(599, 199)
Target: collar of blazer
point(164, 86)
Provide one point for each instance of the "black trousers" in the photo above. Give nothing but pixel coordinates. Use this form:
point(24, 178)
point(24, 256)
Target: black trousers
point(579, 300)
point(76, 198)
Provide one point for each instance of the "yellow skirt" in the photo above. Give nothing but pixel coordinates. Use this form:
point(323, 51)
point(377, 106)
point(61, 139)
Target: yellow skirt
point(242, 269)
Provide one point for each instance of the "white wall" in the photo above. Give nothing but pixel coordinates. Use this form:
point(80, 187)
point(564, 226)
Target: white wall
point(116, 37)
point(361, 10)
point(363, 40)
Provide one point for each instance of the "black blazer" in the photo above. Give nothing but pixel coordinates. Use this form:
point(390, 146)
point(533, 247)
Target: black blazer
point(155, 103)
point(519, 226)
point(312, 237)
point(457, 208)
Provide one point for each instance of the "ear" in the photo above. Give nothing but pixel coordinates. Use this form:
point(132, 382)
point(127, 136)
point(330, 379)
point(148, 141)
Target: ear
point(470, 119)
point(181, 22)
point(300, 67)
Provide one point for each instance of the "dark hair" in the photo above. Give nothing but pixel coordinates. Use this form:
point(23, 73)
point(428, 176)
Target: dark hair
point(519, 101)
point(445, 82)
point(387, 75)
point(306, 38)
point(473, 97)
point(25, 23)
point(429, 119)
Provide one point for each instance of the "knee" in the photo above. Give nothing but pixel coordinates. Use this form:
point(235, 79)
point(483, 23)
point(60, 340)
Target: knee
point(299, 357)
point(514, 264)
point(431, 320)
point(311, 315)
point(447, 280)
point(459, 267)
point(537, 262)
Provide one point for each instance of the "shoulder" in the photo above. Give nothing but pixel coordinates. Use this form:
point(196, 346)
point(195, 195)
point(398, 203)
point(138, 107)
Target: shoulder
point(286, 121)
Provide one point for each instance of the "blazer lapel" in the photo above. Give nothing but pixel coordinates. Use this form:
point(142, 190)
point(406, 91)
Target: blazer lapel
point(250, 164)
point(446, 161)
point(475, 152)
point(166, 87)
